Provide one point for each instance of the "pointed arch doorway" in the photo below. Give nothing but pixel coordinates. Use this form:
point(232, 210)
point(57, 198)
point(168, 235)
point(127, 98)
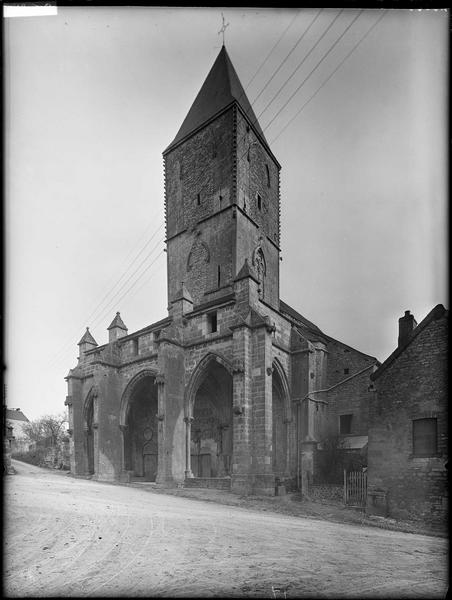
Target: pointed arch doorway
point(210, 433)
point(140, 428)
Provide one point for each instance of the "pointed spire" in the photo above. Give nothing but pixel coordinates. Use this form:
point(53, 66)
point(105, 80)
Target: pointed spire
point(87, 339)
point(116, 329)
point(117, 322)
point(221, 88)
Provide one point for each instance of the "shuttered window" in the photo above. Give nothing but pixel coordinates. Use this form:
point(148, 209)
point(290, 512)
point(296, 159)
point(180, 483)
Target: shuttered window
point(424, 437)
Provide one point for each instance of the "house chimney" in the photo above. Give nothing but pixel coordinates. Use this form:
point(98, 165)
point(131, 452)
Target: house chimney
point(407, 324)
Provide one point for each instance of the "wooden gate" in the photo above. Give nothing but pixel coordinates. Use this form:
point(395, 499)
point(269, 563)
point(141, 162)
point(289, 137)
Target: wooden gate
point(355, 488)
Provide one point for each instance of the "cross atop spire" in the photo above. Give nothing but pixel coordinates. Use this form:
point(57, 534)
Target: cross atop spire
point(223, 27)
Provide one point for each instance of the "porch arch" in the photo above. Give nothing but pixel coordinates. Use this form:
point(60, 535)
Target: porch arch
point(208, 410)
point(198, 376)
point(90, 439)
point(128, 392)
point(139, 426)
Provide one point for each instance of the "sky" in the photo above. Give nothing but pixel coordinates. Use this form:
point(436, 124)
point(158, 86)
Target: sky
point(354, 109)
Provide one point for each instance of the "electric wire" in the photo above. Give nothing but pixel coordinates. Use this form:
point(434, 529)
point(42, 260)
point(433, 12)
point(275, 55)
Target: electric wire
point(93, 312)
point(300, 64)
point(126, 292)
point(70, 341)
point(315, 68)
point(329, 77)
point(271, 51)
point(124, 273)
point(286, 58)
point(306, 78)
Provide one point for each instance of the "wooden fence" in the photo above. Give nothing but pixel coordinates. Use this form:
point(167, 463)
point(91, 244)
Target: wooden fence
point(355, 488)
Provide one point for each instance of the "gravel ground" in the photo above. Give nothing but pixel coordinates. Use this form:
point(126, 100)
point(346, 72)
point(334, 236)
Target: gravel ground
point(72, 537)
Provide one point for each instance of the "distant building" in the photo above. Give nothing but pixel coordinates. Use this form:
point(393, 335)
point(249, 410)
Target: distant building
point(408, 426)
point(16, 419)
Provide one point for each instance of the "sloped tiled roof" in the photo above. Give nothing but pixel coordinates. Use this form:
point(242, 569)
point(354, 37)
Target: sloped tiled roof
point(220, 89)
point(15, 414)
point(117, 322)
point(436, 313)
point(87, 338)
point(293, 314)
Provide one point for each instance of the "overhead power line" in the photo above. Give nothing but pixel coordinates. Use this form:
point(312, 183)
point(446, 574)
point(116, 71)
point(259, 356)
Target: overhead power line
point(329, 77)
point(111, 289)
point(129, 289)
point(271, 51)
point(286, 58)
point(103, 315)
point(300, 64)
point(315, 68)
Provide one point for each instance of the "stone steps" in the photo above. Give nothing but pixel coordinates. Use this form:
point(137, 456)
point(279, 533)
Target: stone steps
point(217, 483)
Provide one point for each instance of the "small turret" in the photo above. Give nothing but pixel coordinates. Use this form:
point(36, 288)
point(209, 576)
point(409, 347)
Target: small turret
point(117, 329)
point(86, 343)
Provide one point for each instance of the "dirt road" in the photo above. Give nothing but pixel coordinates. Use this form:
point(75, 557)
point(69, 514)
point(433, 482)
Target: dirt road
point(72, 537)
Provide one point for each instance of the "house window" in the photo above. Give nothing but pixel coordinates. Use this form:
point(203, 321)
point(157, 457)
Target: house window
point(425, 437)
point(198, 199)
point(135, 347)
point(259, 202)
point(346, 371)
point(219, 276)
point(212, 322)
point(345, 424)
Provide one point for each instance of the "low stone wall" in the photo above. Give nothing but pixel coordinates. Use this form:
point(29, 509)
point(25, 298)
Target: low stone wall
point(217, 483)
point(327, 491)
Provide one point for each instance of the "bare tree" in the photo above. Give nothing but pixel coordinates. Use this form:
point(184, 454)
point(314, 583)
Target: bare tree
point(49, 429)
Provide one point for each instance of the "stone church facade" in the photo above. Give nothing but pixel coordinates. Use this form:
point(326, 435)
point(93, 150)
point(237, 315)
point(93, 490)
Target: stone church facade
point(233, 387)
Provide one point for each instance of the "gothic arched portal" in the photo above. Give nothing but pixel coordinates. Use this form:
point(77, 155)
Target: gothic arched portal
point(141, 430)
point(211, 428)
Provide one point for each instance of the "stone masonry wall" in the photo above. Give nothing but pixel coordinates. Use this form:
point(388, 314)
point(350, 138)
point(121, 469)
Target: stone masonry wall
point(413, 386)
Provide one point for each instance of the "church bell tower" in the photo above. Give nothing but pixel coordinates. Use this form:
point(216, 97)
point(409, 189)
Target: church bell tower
point(222, 201)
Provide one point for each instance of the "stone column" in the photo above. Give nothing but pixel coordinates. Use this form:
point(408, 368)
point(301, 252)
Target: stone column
point(123, 429)
point(161, 458)
point(86, 450)
point(287, 422)
point(95, 434)
point(188, 471)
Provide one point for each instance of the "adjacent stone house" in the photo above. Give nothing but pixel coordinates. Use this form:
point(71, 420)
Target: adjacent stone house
point(233, 388)
point(408, 426)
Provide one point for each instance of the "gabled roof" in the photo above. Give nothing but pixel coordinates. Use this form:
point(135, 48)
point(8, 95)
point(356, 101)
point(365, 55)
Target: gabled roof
point(220, 89)
point(436, 313)
point(87, 338)
point(15, 414)
point(117, 322)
